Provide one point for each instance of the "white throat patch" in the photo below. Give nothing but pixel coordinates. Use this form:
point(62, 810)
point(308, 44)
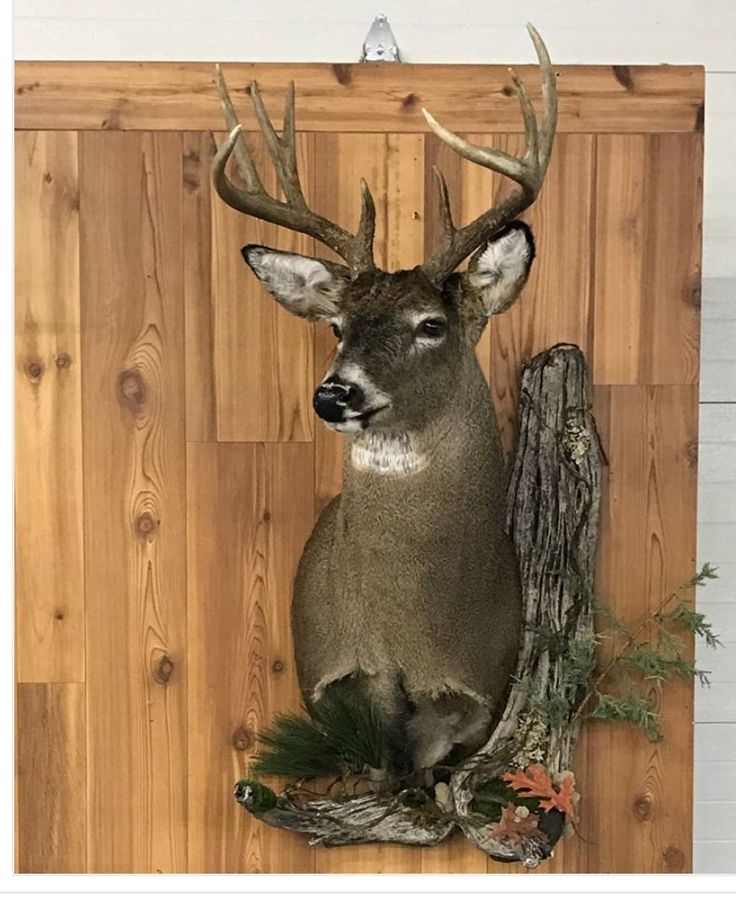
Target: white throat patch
point(386, 452)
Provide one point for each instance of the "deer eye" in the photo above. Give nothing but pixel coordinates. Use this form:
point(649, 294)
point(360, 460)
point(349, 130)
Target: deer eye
point(431, 327)
point(336, 331)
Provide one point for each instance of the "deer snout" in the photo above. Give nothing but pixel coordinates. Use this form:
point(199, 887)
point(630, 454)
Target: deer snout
point(333, 399)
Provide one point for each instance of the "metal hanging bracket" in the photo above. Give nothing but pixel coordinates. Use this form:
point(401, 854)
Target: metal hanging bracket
point(380, 44)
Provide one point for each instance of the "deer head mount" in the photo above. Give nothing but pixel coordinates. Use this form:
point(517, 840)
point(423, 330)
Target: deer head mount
point(408, 588)
point(381, 317)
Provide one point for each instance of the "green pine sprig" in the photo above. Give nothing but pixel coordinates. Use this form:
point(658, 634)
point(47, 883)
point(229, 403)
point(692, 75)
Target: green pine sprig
point(338, 737)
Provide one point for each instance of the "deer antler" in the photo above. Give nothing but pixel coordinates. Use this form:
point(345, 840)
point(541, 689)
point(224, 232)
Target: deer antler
point(294, 213)
point(528, 172)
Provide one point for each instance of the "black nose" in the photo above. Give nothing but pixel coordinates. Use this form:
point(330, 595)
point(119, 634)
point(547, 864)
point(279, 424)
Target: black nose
point(333, 398)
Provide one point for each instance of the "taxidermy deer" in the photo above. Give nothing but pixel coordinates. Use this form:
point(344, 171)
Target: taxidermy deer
point(408, 589)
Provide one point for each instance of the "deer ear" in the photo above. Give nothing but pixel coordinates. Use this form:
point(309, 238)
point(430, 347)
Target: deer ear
point(499, 270)
point(310, 288)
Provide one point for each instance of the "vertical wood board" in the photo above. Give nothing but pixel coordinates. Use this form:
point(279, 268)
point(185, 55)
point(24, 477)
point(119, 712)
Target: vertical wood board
point(48, 411)
point(133, 401)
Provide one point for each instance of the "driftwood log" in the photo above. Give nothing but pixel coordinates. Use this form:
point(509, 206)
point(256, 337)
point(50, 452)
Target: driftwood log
point(552, 516)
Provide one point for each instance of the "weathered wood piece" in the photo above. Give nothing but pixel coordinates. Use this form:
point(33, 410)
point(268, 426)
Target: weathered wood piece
point(553, 505)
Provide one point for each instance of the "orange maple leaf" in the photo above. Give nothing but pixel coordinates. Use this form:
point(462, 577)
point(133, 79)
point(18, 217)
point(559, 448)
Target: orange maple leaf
point(562, 799)
point(536, 781)
point(514, 828)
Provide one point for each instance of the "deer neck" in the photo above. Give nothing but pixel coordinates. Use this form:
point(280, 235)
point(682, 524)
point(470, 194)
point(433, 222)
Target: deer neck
point(390, 452)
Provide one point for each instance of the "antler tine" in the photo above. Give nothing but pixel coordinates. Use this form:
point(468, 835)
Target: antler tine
point(242, 156)
point(446, 223)
point(549, 95)
point(293, 212)
point(531, 129)
point(528, 171)
point(282, 150)
point(367, 224)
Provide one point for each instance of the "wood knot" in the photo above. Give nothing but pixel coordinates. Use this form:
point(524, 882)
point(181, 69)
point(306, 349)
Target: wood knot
point(163, 669)
point(277, 666)
point(48, 177)
point(266, 517)
point(409, 103)
point(693, 295)
point(145, 526)
point(622, 74)
point(643, 807)
point(343, 73)
point(59, 615)
point(691, 453)
point(34, 369)
point(242, 739)
point(191, 171)
point(507, 91)
point(699, 125)
point(63, 360)
point(674, 859)
point(31, 86)
point(630, 227)
point(132, 389)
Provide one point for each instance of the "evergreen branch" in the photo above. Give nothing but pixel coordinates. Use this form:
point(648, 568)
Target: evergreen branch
point(694, 622)
point(707, 572)
point(658, 667)
point(634, 708)
point(617, 623)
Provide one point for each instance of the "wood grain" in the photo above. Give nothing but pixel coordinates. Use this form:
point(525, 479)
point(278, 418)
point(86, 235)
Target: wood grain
point(132, 347)
point(641, 818)
point(250, 509)
point(51, 792)
point(262, 353)
point(647, 265)
point(404, 201)
point(555, 304)
point(340, 97)
point(201, 397)
point(48, 411)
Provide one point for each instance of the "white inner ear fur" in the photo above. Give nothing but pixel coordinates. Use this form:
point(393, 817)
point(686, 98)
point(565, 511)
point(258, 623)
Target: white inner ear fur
point(500, 271)
point(304, 286)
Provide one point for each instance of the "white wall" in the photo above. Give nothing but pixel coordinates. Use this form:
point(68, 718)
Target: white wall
point(577, 31)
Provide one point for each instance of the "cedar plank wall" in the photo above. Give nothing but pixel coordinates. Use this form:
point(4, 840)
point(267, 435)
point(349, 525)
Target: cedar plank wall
point(170, 469)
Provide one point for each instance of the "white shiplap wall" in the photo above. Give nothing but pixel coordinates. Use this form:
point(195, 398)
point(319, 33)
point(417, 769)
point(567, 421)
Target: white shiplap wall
point(577, 31)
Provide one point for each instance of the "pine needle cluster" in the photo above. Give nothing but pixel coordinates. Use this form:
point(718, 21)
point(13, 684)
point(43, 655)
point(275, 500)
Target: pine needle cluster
point(336, 737)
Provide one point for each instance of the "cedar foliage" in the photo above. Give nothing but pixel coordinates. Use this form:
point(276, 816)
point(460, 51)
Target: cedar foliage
point(640, 661)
